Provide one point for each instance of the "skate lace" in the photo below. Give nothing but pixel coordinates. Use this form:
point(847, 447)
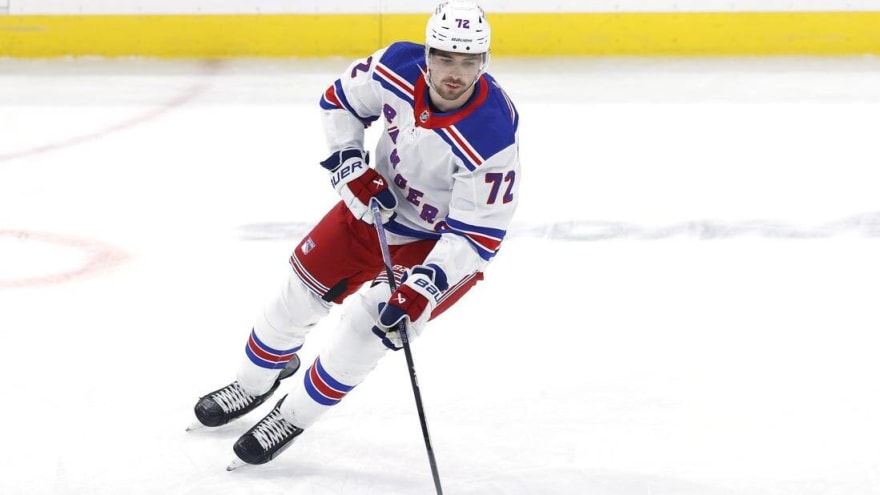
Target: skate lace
point(233, 398)
point(273, 429)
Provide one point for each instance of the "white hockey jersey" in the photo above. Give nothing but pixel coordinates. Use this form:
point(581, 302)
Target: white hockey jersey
point(455, 175)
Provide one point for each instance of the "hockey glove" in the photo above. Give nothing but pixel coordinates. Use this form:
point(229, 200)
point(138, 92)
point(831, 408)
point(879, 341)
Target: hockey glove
point(356, 182)
point(415, 299)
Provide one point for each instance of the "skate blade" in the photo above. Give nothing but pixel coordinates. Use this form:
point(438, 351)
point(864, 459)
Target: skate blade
point(236, 464)
point(195, 425)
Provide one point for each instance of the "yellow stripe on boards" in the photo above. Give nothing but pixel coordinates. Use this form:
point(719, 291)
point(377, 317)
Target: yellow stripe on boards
point(355, 35)
point(187, 36)
point(700, 34)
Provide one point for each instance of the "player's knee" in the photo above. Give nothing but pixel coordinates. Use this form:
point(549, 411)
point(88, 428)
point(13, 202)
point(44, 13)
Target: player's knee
point(353, 342)
point(305, 307)
point(295, 309)
point(363, 309)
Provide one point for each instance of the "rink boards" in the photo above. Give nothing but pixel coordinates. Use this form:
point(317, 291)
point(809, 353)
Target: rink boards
point(598, 33)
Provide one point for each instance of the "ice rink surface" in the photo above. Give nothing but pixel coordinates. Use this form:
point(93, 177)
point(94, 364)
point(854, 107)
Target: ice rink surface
point(686, 303)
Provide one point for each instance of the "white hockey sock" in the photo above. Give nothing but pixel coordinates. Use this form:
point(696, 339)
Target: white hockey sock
point(278, 334)
point(351, 353)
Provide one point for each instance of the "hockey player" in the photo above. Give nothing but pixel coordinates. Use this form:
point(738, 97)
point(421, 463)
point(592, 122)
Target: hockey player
point(446, 173)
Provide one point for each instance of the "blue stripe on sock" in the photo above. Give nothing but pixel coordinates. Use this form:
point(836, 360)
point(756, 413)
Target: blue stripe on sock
point(329, 379)
point(262, 363)
point(270, 350)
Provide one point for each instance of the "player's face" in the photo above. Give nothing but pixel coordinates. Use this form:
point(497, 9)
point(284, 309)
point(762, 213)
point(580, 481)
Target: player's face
point(453, 74)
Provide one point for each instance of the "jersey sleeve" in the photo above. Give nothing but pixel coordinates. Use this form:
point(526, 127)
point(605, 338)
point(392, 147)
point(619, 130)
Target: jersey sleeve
point(351, 104)
point(483, 204)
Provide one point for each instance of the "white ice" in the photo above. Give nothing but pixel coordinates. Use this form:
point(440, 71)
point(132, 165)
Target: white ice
point(686, 303)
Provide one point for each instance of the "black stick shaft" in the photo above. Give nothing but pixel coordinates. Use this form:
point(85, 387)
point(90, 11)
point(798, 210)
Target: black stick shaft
point(386, 257)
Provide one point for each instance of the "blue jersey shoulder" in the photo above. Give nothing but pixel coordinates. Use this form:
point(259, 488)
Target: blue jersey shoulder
point(404, 59)
point(492, 127)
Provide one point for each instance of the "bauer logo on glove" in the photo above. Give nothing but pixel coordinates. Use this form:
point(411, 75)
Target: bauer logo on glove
point(351, 168)
point(356, 182)
point(415, 299)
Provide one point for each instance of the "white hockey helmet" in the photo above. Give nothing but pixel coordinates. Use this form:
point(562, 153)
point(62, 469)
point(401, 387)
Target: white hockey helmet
point(458, 26)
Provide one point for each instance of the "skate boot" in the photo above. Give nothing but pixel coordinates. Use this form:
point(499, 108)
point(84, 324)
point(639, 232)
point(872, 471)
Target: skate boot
point(268, 438)
point(231, 402)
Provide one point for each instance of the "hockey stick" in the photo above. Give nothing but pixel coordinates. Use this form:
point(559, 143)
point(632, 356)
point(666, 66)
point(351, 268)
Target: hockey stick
point(386, 257)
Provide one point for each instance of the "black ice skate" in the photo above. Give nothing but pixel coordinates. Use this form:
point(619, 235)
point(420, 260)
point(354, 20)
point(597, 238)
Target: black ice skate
point(268, 438)
point(232, 402)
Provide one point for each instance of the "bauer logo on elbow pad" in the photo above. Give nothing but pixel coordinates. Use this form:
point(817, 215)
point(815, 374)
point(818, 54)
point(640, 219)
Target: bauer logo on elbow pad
point(429, 287)
point(353, 169)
